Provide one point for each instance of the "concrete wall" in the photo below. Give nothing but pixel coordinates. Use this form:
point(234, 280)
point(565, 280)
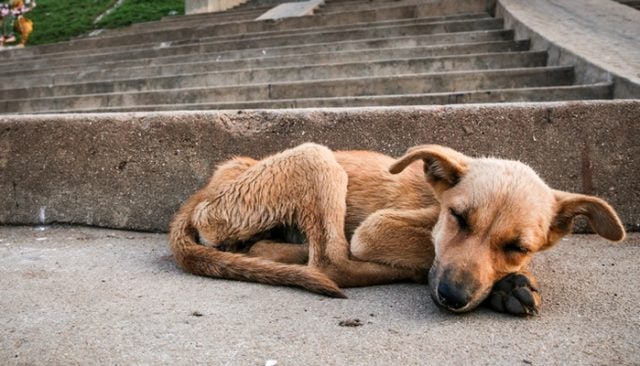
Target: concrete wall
point(209, 6)
point(133, 170)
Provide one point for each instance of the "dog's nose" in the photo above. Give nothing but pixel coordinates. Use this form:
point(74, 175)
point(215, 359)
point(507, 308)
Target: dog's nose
point(452, 297)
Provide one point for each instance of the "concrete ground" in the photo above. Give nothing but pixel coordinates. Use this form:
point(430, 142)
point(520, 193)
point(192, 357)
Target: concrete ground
point(83, 296)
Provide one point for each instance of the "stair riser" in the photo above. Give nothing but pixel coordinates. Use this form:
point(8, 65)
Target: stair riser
point(514, 95)
point(360, 34)
point(163, 26)
point(122, 72)
point(414, 84)
point(232, 51)
point(369, 69)
point(269, 40)
point(422, 84)
point(383, 27)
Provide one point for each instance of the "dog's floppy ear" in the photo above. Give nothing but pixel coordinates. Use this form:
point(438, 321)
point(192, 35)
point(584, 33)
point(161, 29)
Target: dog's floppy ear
point(602, 218)
point(443, 166)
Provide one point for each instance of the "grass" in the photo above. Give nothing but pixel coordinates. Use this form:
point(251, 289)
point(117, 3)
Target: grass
point(56, 20)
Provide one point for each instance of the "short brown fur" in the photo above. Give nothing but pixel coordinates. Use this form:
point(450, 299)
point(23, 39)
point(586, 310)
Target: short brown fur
point(471, 224)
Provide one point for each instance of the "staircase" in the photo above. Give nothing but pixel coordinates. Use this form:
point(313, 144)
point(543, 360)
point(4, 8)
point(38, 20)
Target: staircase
point(350, 53)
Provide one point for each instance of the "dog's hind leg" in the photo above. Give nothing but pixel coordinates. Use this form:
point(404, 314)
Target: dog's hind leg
point(239, 203)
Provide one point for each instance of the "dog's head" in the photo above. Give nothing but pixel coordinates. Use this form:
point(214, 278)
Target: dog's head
point(495, 214)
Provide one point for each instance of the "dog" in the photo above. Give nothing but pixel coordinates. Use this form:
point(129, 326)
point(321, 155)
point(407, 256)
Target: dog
point(324, 220)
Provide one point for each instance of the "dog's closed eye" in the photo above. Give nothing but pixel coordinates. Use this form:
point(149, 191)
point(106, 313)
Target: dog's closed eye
point(514, 246)
point(461, 219)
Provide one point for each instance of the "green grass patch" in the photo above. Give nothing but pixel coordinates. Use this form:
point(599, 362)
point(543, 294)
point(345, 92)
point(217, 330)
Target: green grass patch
point(56, 20)
point(137, 11)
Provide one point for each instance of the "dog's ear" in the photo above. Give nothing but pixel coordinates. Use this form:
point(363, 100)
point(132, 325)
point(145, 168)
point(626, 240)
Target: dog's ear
point(602, 218)
point(443, 166)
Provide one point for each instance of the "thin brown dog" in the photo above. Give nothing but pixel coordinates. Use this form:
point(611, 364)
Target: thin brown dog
point(321, 220)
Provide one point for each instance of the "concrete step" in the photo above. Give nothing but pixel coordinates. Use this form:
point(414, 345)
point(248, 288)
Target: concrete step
point(233, 51)
point(216, 15)
point(248, 14)
point(218, 62)
point(190, 21)
point(177, 22)
point(412, 10)
point(347, 87)
point(261, 39)
point(330, 7)
point(251, 4)
point(597, 91)
point(455, 23)
point(240, 27)
point(422, 7)
point(135, 170)
point(372, 3)
point(262, 42)
point(316, 28)
point(525, 94)
point(358, 5)
point(318, 71)
point(358, 2)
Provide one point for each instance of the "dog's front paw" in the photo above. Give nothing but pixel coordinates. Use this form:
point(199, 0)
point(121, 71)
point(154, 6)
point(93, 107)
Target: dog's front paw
point(515, 294)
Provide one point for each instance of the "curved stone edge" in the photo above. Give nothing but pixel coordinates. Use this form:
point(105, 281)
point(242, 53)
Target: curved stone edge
point(600, 38)
point(291, 10)
point(133, 170)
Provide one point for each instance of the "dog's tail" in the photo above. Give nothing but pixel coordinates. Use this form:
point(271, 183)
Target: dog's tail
point(211, 262)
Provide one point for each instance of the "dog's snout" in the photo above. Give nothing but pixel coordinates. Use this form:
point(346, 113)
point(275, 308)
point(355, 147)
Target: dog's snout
point(452, 297)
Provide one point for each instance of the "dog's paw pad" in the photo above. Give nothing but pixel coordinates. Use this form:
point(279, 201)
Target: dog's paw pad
point(515, 294)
